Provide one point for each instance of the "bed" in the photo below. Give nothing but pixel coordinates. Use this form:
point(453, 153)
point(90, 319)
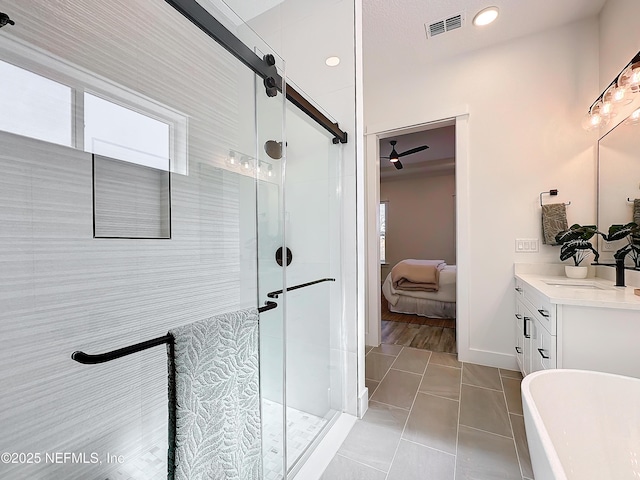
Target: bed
point(439, 301)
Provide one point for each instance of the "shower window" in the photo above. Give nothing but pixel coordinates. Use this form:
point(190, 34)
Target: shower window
point(53, 100)
point(119, 132)
point(35, 106)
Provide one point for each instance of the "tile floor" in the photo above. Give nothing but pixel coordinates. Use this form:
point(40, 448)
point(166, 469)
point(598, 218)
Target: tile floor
point(431, 417)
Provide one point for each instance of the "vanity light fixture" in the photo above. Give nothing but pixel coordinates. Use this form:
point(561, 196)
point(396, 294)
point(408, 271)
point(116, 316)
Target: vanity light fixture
point(332, 61)
point(617, 93)
point(249, 165)
point(485, 16)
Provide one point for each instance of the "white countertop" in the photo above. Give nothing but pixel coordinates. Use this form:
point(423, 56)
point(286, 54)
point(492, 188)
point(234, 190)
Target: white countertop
point(588, 292)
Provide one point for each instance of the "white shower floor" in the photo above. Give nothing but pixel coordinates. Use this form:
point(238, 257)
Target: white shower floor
point(302, 428)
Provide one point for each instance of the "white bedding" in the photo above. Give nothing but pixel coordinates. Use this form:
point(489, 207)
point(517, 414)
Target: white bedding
point(446, 292)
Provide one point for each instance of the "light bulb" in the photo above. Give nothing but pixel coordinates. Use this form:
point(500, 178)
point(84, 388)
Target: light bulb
point(621, 95)
point(270, 171)
point(232, 158)
point(630, 77)
point(617, 95)
point(634, 118)
point(607, 109)
point(593, 119)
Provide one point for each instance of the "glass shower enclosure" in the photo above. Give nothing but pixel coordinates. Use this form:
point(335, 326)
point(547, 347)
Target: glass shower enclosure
point(150, 181)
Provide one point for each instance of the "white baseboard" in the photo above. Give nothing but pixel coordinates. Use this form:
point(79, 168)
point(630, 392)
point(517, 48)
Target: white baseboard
point(319, 460)
point(488, 358)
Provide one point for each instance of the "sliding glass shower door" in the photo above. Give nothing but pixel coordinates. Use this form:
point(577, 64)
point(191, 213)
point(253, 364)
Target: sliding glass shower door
point(299, 246)
point(313, 313)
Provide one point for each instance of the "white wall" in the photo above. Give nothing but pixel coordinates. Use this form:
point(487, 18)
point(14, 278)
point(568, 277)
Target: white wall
point(420, 218)
point(525, 100)
point(619, 38)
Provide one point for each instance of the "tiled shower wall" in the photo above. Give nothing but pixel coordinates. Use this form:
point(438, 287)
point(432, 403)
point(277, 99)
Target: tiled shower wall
point(63, 291)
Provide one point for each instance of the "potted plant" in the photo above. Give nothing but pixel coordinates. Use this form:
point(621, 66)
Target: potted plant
point(576, 245)
point(630, 231)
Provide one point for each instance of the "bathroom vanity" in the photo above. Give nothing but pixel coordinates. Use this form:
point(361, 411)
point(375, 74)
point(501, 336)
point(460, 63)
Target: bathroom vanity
point(585, 324)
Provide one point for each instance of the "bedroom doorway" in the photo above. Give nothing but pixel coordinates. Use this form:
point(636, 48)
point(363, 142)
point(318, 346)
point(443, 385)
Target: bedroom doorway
point(428, 224)
point(417, 238)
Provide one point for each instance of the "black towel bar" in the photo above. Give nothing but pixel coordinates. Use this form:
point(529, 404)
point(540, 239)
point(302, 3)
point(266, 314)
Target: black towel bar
point(87, 359)
point(302, 285)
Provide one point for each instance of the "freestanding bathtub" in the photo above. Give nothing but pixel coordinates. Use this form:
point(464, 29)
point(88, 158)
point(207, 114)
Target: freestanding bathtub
point(582, 425)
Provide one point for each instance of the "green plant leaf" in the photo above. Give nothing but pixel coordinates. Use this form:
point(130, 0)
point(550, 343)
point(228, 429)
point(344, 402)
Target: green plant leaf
point(618, 232)
point(577, 231)
point(573, 247)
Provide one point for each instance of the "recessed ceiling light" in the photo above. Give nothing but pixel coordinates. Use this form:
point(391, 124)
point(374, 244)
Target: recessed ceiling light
point(332, 61)
point(485, 16)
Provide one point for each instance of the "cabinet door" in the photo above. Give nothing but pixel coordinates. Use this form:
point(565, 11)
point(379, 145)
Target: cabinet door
point(543, 351)
point(524, 319)
point(527, 333)
point(519, 340)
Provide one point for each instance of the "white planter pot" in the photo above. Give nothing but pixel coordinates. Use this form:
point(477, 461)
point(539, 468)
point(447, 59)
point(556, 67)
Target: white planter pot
point(575, 272)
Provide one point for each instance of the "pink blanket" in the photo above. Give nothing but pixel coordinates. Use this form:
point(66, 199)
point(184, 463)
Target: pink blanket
point(414, 274)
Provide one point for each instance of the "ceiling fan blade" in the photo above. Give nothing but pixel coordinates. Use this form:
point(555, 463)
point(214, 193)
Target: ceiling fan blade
point(413, 150)
point(397, 164)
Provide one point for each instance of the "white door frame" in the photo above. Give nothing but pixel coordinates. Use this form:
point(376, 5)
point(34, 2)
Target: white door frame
point(373, 134)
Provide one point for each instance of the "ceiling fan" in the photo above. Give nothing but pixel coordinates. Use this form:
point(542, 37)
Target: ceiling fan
point(394, 157)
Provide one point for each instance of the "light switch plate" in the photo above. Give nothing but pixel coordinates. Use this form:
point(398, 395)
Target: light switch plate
point(527, 245)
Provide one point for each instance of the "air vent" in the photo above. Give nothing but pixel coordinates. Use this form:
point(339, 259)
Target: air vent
point(436, 28)
point(445, 25)
point(453, 22)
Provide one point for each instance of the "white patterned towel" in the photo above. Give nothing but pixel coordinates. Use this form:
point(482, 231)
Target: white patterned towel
point(214, 399)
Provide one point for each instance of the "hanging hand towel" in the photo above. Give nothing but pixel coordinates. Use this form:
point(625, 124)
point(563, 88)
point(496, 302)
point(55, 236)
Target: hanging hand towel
point(636, 211)
point(554, 221)
point(214, 399)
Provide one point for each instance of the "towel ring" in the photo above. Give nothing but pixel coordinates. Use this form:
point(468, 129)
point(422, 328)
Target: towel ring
point(551, 192)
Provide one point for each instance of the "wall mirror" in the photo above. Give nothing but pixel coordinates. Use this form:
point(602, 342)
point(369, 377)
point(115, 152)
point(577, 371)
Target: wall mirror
point(618, 182)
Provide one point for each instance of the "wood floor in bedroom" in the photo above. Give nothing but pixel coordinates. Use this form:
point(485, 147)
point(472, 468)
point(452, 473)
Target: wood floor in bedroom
point(434, 334)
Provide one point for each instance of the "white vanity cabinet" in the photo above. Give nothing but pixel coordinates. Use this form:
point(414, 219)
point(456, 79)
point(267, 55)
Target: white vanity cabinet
point(593, 326)
point(535, 330)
